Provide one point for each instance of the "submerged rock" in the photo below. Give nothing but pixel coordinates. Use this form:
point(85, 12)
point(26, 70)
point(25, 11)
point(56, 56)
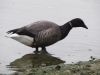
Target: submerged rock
point(35, 60)
point(38, 64)
point(80, 68)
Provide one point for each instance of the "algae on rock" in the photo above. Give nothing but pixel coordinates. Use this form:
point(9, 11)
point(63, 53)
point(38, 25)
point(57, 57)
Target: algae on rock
point(35, 60)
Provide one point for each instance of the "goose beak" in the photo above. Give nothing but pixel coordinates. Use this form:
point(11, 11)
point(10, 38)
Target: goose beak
point(85, 27)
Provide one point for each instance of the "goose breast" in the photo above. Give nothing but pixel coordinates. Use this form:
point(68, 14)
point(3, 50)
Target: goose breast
point(48, 37)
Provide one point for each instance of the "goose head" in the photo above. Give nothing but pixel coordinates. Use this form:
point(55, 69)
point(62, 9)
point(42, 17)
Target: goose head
point(77, 22)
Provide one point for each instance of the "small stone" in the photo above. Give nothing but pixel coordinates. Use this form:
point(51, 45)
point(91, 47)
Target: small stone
point(58, 67)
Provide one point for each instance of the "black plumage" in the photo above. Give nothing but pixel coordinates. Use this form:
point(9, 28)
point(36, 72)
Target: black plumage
point(46, 33)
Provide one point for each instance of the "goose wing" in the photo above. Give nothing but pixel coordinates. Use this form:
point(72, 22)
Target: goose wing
point(34, 28)
point(38, 26)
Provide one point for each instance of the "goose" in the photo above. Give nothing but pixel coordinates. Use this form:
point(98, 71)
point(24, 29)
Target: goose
point(44, 33)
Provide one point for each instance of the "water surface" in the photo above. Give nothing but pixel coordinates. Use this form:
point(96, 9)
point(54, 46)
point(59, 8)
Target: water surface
point(78, 46)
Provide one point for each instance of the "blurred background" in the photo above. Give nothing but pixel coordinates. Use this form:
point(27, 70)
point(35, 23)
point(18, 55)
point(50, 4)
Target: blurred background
point(79, 45)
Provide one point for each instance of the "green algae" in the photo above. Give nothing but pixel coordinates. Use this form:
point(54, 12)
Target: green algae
point(35, 60)
point(44, 64)
point(80, 68)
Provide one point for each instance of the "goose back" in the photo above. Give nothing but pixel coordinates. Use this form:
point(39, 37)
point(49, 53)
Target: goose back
point(40, 26)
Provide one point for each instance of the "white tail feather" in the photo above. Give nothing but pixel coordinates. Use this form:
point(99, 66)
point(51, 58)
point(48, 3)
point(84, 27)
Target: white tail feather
point(26, 40)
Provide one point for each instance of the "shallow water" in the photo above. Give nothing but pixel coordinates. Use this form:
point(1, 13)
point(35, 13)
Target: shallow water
point(78, 46)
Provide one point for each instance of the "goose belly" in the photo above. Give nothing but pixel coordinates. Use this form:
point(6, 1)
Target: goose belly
point(26, 40)
point(45, 41)
point(47, 38)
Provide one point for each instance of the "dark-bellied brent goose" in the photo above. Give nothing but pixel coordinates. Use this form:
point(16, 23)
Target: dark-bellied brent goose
point(44, 33)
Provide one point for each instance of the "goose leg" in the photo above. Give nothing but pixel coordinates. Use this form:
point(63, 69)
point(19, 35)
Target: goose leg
point(44, 51)
point(36, 51)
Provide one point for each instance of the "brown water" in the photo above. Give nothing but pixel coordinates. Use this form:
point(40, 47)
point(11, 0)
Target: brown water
point(78, 46)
